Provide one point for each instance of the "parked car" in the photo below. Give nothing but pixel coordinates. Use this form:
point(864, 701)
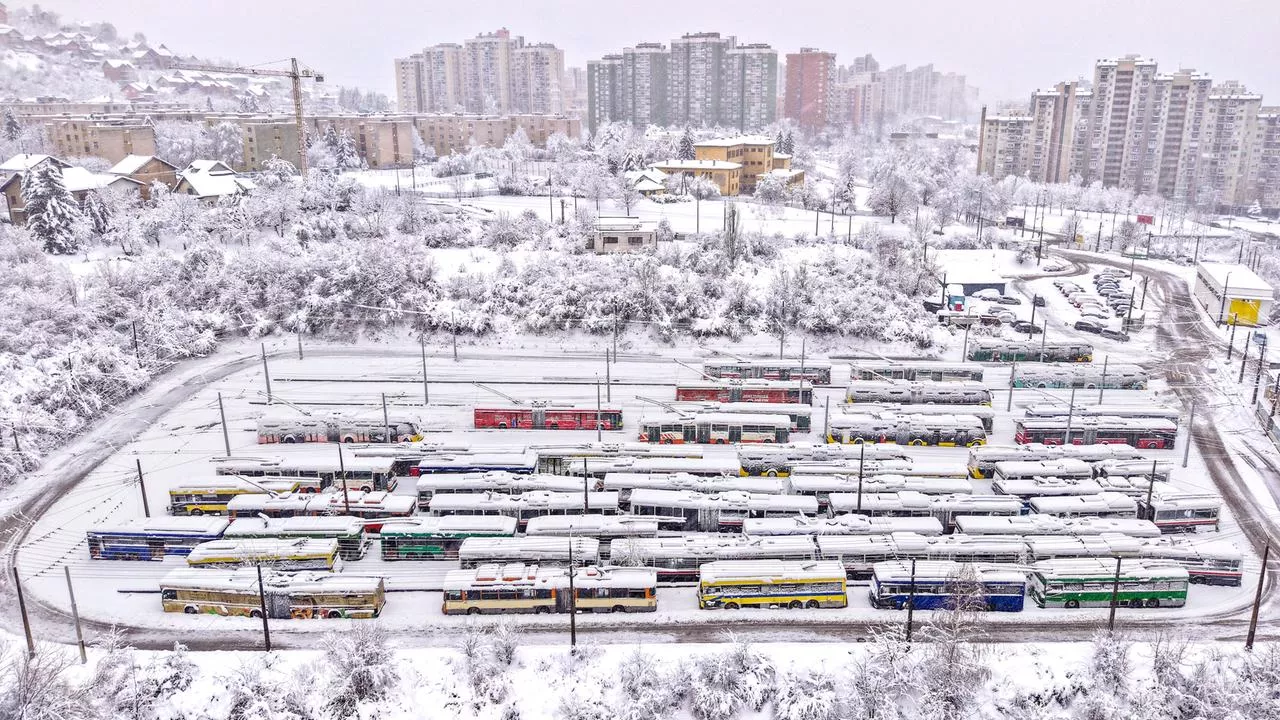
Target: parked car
point(987, 294)
point(1024, 326)
point(1008, 300)
point(1096, 313)
point(1114, 335)
point(1087, 326)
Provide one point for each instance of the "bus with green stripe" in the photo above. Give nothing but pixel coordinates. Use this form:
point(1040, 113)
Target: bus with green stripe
point(733, 584)
point(438, 538)
point(1090, 582)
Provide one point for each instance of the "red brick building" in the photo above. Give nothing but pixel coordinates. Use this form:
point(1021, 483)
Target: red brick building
point(811, 75)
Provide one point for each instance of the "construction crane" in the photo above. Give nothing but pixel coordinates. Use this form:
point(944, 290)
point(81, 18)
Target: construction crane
point(295, 74)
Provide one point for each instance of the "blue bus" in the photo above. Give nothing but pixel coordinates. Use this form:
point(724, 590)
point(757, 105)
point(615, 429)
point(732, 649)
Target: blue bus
point(936, 583)
point(519, 463)
point(153, 538)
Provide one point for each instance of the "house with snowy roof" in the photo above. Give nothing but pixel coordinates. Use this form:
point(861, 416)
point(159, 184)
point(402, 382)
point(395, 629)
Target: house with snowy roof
point(77, 180)
point(211, 180)
point(121, 71)
point(147, 169)
point(647, 182)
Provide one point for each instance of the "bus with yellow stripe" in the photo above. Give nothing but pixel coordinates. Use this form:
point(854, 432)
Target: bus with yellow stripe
point(496, 589)
point(279, 553)
point(733, 584)
point(209, 496)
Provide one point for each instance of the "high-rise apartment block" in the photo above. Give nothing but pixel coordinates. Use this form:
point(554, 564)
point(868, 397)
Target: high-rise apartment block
point(866, 97)
point(811, 80)
point(1177, 135)
point(604, 92)
point(492, 73)
point(646, 73)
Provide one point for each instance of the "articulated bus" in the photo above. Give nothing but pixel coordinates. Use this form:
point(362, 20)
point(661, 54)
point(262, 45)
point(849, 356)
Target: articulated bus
point(1064, 468)
point(605, 528)
point(562, 459)
point(733, 584)
point(821, 486)
point(337, 430)
point(1173, 415)
point(525, 506)
point(982, 460)
point(1026, 488)
point(801, 415)
point(920, 430)
point(1090, 582)
point(438, 538)
point(477, 551)
point(1084, 376)
point(778, 460)
point(677, 559)
point(1179, 510)
point(1101, 505)
point(152, 538)
point(624, 483)
point(913, 504)
point(1209, 563)
point(348, 531)
point(716, 429)
point(519, 462)
point(749, 391)
point(940, 584)
point(1141, 433)
point(372, 506)
point(817, 372)
point(291, 554)
point(210, 497)
point(1037, 524)
point(719, 512)
point(358, 473)
point(915, 370)
point(918, 392)
point(493, 589)
point(302, 595)
point(723, 462)
point(547, 418)
point(994, 350)
point(496, 482)
point(848, 524)
point(984, 413)
point(860, 554)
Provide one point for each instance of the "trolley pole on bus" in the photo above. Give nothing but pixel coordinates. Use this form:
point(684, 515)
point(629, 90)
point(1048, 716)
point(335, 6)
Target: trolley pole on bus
point(146, 510)
point(262, 608)
point(426, 394)
point(1103, 385)
point(1071, 409)
point(1115, 597)
point(1257, 599)
point(266, 372)
point(1191, 422)
point(911, 599)
point(862, 458)
point(75, 615)
point(226, 438)
point(386, 420)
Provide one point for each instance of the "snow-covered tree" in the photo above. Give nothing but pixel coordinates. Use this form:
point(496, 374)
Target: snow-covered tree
point(645, 689)
point(789, 144)
point(363, 668)
point(452, 164)
point(39, 687)
point(893, 190)
point(345, 153)
point(771, 189)
point(11, 129)
point(686, 151)
point(98, 213)
point(223, 141)
point(955, 671)
point(517, 147)
point(53, 217)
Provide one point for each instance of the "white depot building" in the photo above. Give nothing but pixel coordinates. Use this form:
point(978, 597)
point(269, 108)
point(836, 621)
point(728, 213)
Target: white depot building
point(1233, 293)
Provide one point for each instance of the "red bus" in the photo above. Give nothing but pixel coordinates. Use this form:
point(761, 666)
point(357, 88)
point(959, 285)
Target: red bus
point(1141, 433)
point(547, 418)
point(796, 392)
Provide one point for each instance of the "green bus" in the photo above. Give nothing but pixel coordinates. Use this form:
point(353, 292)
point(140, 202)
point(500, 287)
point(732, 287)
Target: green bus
point(1090, 582)
point(438, 538)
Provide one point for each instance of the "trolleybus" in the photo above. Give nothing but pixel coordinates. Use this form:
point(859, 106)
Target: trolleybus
point(749, 391)
point(1036, 524)
point(921, 430)
point(1175, 510)
point(941, 585)
point(847, 524)
point(152, 538)
point(733, 584)
point(718, 512)
point(814, 371)
point(994, 350)
point(859, 554)
point(359, 473)
point(438, 538)
point(715, 429)
point(546, 418)
point(524, 506)
point(348, 531)
point(677, 559)
point(1111, 376)
point(519, 588)
point(476, 551)
point(1091, 582)
point(337, 429)
point(1141, 433)
point(915, 370)
point(286, 595)
point(290, 554)
point(496, 482)
point(918, 392)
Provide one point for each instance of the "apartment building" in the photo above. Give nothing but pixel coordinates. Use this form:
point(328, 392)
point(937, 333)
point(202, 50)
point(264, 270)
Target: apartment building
point(1231, 118)
point(264, 139)
point(430, 81)
point(537, 79)
point(111, 141)
point(410, 85)
point(752, 153)
point(697, 77)
point(605, 95)
point(646, 70)
point(486, 74)
point(1265, 158)
point(1005, 142)
point(447, 133)
point(750, 100)
point(811, 79)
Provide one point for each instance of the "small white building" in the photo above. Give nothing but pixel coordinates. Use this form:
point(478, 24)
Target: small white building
point(622, 234)
point(1233, 293)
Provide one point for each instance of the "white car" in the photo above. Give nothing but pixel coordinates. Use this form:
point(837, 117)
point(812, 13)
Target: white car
point(987, 294)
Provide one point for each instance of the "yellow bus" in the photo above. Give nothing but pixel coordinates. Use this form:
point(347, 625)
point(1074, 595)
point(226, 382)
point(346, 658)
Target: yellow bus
point(286, 595)
point(732, 584)
point(279, 553)
point(210, 496)
point(518, 588)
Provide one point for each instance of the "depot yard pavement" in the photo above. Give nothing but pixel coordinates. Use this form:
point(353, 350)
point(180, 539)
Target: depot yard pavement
point(180, 446)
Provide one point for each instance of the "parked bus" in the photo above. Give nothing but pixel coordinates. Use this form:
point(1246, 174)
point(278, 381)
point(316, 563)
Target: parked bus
point(1111, 376)
point(520, 463)
point(624, 483)
point(1163, 469)
point(733, 584)
point(996, 350)
point(1064, 468)
point(921, 430)
point(476, 551)
point(801, 415)
point(291, 554)
point(546, 418)
point(210, 496)
point(749, 391)
point(359, 473)
point(438, 538)
point(821, 486)
point(1116, 411)
point(1144, 434)
point(932, 469)
point(152, 538)
point(777, 460)
point(677, 559)
point(716, 429)
point(495, 482)
point(1037, 524)
point(287, 595)
point(915, 370)
point(982, 460)
point(525, 506)
point(1102, 505)
point(605, 528)
point(940, 584)
point(1026, 488)
point(1090, 582)
point(1179, 510)
point(817, 372)
point(719, 512)
point(337, 430)
point(348, 531)
point(913, 504)
point(859, 554)
point(518, 588)
point(848, 524)
point(723, 462)
point(1209, 563)
point(562, 459)
point(918, 392)
point(371, 506)
point(984, 413)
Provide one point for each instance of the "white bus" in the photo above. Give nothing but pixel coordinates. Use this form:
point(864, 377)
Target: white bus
point(922, 430)
point(859, 554)
point(982, 460)
point(1036, 524)
point(776, 460)
point(359, 473)
point(624, 483)
point(1065, 468)
point(277, 553)
point(1103, 505)
point(303, 595)
point(821, 486)
point(1124, 411)
point(733, 584)
point(813, 370)
point(519, 588)
point(525, 506)
point(677, 559)
point(841, 525)
point(605, 528)
point(715, 429)
point(348, 531)
point(918, 392)
point(496, 481)
point(1026, 488)
point(723, 462)
point(915, 370)
point(1180, 510)
point(911, 504)
point(292, 430)
point(476, 551)
point(985, 413)
point(718, 512)
point(1119, 376)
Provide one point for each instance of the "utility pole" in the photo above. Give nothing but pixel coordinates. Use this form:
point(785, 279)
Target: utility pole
point(1244, 357)
point(965, 351)
point(454, 326)
point(1275, 396)
point(22, 609)
point(1151, 489)
point(426, 393)
point(342, 478)
point(608, 376)
point(226, 438)
point(586, 497)
point(386, 420)
point(75, 615)
point(299, 346)
point(1231, 344)
point(1257, 599)
point(262, 608)
point(266, 372)
point(1102, 386)
point(1257, 379)
point(599, 421)
point(573, 605)
point(826, 421)
point(146, 511)
point(862, 459)
point(1071, 409)
point(911, 599)
point(1191, 424)
point(563, 202)
point(1013, 372)
point(1115, 597)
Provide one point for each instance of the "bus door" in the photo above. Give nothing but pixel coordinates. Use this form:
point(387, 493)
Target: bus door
point(156, 548)
point(693, 433)
point(782, 435)
point(278, 605)
point(735, 433)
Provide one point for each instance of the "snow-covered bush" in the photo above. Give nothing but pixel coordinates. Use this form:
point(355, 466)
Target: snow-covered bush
point(645, 690)
point(362, 668)
point(809, 695)
point(722, 686)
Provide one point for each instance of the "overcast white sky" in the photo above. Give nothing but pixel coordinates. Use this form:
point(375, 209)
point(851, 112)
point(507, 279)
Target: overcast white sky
point(1006, 47)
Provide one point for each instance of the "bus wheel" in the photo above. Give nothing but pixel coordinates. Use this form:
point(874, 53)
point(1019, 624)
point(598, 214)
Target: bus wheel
point(366, 489)
point(348, 439)
point(771, 473)
point(1073, 604)
point(502, 426)
point(473, 611)
point(618, 609)
point(811, 604)
point(795, 605)
point(731, 606)
point(1153, 602)
point(190, 610)
point(289, 440)
point(197, 511)
point(858, 441)
point(255, 613)
point(541, 610)
point(333, 614)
